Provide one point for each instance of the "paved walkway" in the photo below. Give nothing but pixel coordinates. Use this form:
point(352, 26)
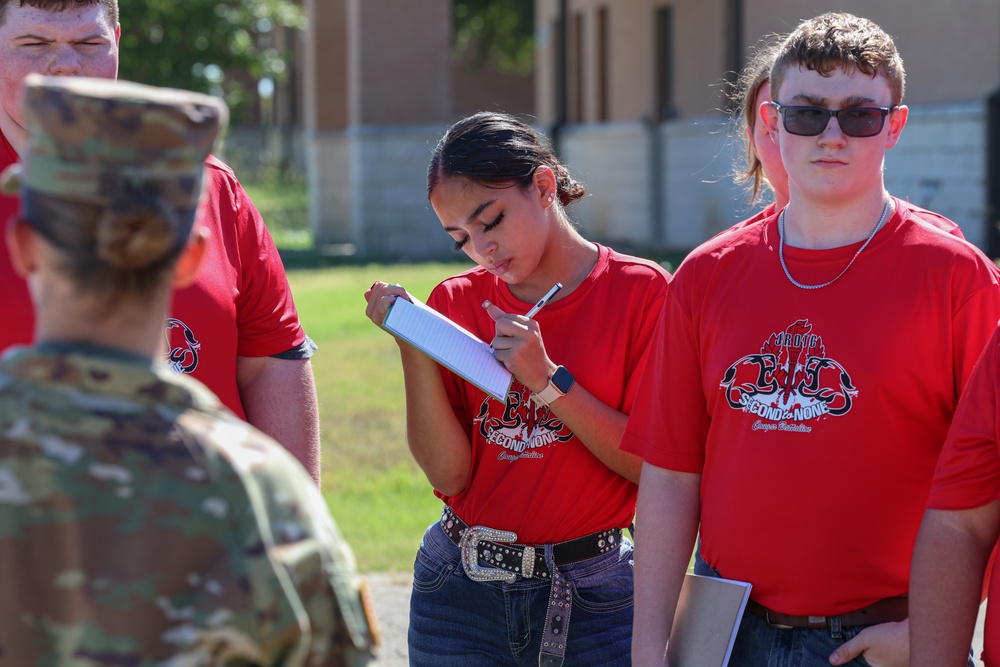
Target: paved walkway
point(977, 639)
point(391, 597)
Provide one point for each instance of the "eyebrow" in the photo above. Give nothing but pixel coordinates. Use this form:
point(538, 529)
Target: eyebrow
point(40, 38)
point(846, 103)
point(475, 214)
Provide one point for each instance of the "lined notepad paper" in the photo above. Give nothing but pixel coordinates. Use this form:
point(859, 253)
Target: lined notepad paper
point(450, 345)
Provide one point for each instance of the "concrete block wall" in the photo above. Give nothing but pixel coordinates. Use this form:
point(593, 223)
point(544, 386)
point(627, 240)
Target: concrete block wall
point(368, 188)
point(699, 196)
point(940, 164)
point(330, 180)
point(613, 162)
point(368, 184)
point(249, 149)
point(390, 214)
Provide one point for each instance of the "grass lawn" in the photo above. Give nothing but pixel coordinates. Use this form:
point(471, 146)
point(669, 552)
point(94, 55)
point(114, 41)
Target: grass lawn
point(283, 201)
point(379, 497)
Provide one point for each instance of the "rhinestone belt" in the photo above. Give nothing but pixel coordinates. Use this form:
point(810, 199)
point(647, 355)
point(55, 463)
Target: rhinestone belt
point(493, 555)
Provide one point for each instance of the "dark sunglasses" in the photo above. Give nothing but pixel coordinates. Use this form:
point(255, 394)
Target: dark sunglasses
point(854, 122)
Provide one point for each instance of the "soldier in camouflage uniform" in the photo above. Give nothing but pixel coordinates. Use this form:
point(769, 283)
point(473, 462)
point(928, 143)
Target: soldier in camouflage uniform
point(140, 522)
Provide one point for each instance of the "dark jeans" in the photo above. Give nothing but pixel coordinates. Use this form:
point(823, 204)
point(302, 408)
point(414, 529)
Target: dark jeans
point(760, 645)
point(457, 622)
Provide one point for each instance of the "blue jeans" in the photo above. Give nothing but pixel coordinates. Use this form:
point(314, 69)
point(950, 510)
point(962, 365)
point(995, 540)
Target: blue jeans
point(457, 622)
point(760, 645)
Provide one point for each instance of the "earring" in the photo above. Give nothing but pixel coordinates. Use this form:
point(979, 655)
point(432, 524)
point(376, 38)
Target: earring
point(550, 198)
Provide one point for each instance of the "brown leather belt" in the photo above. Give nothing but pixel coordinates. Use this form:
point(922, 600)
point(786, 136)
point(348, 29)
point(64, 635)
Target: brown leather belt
point(889, 610)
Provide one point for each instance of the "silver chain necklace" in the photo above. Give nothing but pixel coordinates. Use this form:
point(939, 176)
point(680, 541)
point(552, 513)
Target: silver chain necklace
point(781, 249)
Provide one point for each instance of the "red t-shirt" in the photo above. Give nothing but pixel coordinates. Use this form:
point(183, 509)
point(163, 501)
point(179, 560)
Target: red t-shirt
point(815, 417)
point(917, 214)
point(529, 472)
point(18, 323)
point(240, 305)
point(968, 472)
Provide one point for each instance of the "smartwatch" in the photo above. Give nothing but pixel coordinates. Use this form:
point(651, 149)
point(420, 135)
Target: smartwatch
point(559, 384)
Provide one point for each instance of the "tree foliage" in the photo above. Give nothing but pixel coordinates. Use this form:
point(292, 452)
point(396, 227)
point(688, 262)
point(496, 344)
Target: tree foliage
point(215, 46)
point(501, 31)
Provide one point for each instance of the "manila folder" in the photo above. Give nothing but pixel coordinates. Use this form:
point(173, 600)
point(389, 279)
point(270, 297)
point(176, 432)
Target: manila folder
point(448, 344)
point(708, 616)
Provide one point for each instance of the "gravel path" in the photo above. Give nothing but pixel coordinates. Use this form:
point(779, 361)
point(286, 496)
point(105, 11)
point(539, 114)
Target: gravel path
point(391, 597)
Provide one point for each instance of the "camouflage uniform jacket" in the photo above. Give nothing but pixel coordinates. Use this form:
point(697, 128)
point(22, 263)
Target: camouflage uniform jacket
point(142, 524)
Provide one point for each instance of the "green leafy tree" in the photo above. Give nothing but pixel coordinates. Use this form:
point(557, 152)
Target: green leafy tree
point(215, 46)
point(501, 31)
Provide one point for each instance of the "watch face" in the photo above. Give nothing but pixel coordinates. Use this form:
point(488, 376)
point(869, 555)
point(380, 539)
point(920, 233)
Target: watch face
point(563, 379)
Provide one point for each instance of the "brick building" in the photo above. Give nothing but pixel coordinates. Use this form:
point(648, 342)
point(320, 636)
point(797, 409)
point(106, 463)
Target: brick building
point(381, 87)
point(632, 92)
point(643, 96)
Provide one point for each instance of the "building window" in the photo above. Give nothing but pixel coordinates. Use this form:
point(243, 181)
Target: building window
point(560, 62)
point(733, 41)
point(665, 104)
point(603, 64)
point(575, 113)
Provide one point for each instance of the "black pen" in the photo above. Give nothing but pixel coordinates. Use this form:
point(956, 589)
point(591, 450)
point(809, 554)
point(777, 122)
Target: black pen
point(544, 300)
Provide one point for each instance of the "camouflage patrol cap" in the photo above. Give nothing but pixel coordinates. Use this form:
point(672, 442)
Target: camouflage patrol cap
point(93, 140)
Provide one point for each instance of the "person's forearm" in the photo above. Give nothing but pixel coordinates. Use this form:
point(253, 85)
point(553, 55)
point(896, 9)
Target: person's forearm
point(666, 525)
point(949, 559)
point(279, 398)
point(437, 441)
point(599, 427)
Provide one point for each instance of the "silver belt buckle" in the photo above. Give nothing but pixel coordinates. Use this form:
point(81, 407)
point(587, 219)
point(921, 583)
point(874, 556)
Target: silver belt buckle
point(471, 538)
point(776, 626)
